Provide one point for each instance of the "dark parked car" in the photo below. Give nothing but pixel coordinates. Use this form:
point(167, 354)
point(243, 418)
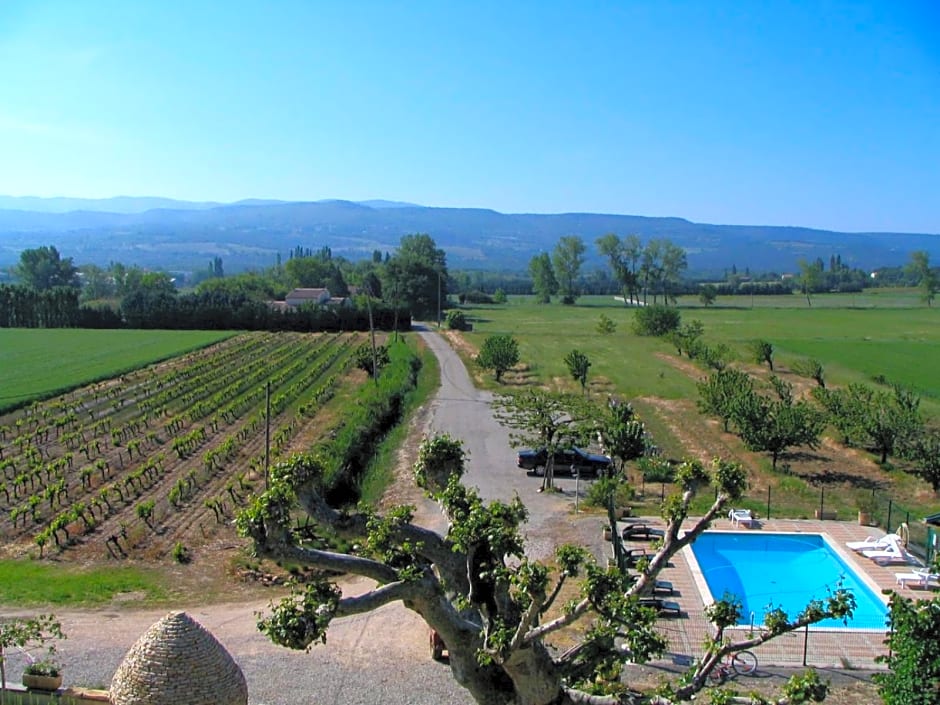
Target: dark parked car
point(574, 461)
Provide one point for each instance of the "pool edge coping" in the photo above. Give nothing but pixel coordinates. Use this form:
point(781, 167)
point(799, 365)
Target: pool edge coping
point(705, 594)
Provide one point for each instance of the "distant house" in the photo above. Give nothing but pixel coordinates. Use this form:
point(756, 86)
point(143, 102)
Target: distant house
point(299, 297)
point(338, 301)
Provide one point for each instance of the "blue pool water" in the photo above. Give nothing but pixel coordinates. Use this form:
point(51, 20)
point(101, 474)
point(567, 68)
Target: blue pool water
point(782, 570)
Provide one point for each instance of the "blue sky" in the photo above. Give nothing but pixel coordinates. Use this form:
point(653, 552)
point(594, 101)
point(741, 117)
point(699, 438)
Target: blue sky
point(823, 114)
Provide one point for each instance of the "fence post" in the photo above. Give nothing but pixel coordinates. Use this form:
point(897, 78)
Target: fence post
point(768, 501)
point(822, 502)
point(805, 643)
point(888, 524)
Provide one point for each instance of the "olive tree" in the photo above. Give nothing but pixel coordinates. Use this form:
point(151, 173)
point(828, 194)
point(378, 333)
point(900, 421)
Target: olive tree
point(494, 607)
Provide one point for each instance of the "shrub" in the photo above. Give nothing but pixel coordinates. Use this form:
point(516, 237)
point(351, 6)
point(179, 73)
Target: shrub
point(456, 320)
point(601, 490)
point(499, 297)
point(475, 297)
point(656, 320)
point(606, 326)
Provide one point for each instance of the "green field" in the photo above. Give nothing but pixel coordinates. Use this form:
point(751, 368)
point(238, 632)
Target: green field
point(29, 583)
point(900, 344)
point(38, 363)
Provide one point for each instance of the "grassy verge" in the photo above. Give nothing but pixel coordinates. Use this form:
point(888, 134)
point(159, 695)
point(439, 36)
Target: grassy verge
point(52, 361)
point(28, 583)
point(380, 472)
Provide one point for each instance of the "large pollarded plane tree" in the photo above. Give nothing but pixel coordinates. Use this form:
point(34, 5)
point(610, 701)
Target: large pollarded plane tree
point(495, 608)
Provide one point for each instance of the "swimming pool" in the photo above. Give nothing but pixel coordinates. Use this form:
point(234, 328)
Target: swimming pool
point(787, 570)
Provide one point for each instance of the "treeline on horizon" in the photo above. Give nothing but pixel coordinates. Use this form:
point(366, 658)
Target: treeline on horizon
point(414, 282)
point(24, 307)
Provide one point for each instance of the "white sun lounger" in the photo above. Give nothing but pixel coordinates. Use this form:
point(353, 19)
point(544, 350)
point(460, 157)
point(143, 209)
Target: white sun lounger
point(893, 553)
point(919, 578)
point(740, 517)
point(871, 543)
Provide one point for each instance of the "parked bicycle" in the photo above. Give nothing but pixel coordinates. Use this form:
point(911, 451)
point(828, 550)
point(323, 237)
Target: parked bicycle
point(737, 663)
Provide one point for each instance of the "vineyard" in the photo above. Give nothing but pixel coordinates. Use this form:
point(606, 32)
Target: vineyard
point(163, 457)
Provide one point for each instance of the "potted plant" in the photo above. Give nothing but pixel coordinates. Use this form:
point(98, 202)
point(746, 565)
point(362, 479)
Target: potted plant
point(42, 675)
point(26, 633)
point(867, 505)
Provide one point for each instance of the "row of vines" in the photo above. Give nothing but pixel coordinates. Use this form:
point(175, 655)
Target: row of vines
point(131, 462)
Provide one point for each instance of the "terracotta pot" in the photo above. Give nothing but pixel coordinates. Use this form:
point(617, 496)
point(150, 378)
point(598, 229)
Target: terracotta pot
point(42, 682)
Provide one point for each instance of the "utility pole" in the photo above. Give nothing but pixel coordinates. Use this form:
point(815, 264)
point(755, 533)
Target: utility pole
point(375, 357)
point(438, 299)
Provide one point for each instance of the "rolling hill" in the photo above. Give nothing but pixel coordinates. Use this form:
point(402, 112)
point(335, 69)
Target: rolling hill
point(180, 235)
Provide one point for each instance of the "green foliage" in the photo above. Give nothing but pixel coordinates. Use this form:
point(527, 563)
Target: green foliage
point(416, 275)
point(498, 353)
point(928, 282)
point(874, 418)
point(811, 368)
point(27, 634)
point(499, 297)
point(913, 660)
point(180, 553)
point(656, 469)
point(439, 458)
point(301, 619)
point(42, 268)
point(707, 294)
point(44, 667)
point(606, 489)
point(375, 408)
point(622, 433)
point(719, 392)
point(578, 366)
point(805, 687)
point(455, 320)
point(567, 258)
point(725, 612)
point(605, 325)
point(772, 426)
point(656, 321)
point(362, 357)
point(544, 283)
point(687, 336)
point(763, 351)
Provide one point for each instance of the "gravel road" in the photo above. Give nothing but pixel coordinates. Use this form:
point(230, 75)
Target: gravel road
point(381, 657)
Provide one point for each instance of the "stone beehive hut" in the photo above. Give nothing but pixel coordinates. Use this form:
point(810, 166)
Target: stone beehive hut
point(177, 661)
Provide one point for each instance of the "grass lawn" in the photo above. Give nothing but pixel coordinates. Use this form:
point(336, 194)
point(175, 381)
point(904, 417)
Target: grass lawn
point(27, 583)
point(38, 363)
point(894, 343)
point(854, 344)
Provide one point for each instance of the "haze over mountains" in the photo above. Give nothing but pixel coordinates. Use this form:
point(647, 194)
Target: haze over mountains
point(184, 235)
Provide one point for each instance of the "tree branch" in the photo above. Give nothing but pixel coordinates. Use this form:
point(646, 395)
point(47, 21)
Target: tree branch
point(579, 610)
point(342, 563)
point(376, 598)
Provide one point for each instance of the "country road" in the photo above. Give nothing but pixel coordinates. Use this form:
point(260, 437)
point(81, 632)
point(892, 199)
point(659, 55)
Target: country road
point(380, 657)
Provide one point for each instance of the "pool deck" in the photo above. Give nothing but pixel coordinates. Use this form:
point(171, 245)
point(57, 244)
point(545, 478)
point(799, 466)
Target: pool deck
point(836, 648)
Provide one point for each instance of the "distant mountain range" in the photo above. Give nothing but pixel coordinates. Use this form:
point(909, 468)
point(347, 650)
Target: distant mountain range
point(184, 235)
